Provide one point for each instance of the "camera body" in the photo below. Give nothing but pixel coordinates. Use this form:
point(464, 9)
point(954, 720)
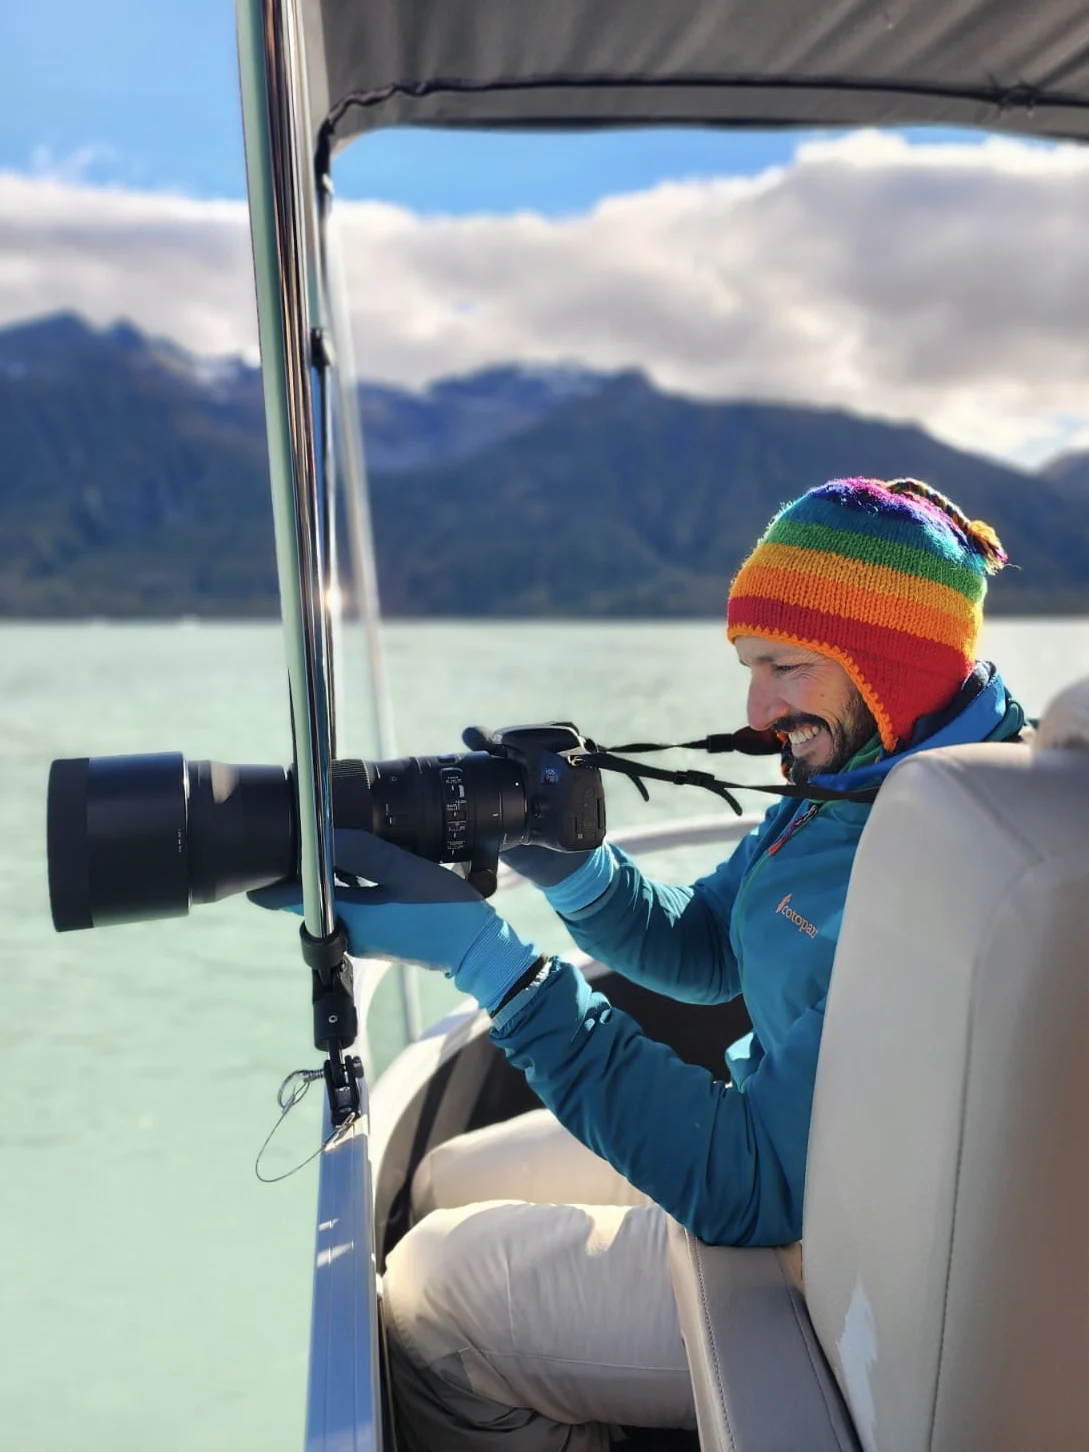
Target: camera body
point(132, 838)
point(565, 800)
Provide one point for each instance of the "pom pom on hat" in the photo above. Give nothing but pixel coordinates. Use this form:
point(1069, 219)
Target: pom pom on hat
point(888, 578)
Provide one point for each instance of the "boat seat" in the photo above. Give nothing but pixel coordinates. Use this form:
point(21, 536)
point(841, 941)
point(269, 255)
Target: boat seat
point(758, 1373)
point(947, 1193)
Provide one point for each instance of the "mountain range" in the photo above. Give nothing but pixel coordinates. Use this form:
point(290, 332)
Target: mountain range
point(135, 483)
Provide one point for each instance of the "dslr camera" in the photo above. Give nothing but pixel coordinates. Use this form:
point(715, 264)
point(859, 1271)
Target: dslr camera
point(131, 838)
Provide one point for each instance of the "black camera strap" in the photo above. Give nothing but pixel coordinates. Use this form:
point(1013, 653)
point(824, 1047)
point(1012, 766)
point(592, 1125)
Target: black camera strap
point(639, 773)
point(769, 743)
point(747, 741)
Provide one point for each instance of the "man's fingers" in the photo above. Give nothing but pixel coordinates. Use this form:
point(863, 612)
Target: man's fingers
point(282, 895)
point(287, 896)
point(368, 896)
point(362, 854)
point(407, 877)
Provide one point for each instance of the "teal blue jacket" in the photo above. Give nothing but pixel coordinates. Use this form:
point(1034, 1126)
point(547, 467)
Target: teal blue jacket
point(725, 1159)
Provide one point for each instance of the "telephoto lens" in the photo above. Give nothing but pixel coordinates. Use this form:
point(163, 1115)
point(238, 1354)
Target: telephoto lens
point(136, 837)
point(445, 808)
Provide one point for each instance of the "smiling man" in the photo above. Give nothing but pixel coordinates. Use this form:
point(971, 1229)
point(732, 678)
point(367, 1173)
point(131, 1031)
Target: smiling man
point(531, 1305)
point(858, 614)
point(810, 701)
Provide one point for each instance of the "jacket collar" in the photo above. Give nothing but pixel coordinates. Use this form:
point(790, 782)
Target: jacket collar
point(982, 710)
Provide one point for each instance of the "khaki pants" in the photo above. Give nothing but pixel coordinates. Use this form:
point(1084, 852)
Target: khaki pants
point(531, 1305)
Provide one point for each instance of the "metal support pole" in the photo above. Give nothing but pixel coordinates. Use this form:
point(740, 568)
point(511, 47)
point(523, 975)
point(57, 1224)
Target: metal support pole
point(324, 362)
point(276, 125)
point(360, 535)
point(343, 1396)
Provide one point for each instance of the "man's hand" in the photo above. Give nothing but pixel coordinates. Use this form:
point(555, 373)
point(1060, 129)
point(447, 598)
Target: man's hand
point(570, 881)
point(543, 866)
point(417, 912)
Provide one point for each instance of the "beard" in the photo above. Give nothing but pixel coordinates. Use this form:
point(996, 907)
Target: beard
point(849, 735)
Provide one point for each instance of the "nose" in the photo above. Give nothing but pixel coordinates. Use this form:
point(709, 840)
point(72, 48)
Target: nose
point(765, 703)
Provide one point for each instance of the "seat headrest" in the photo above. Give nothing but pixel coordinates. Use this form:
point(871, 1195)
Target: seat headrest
point(1065, 721)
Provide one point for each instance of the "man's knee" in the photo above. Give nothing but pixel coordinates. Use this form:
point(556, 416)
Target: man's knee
point(415, 1290)
point(426, 1299)
point(498, 1161)
point(443, 1287)
point(447, 1175)
point(555, 1316)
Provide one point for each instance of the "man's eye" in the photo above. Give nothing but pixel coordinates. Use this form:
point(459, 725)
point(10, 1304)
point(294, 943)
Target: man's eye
point(783, 670)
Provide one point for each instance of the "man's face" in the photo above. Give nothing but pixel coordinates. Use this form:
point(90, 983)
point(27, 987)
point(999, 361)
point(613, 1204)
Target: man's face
point(810, 699)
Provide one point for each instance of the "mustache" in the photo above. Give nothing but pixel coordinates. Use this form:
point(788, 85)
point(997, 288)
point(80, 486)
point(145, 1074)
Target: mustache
point(786, 724)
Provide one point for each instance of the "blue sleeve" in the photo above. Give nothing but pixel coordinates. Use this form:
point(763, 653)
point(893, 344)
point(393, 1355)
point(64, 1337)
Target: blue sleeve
point(675, 940)
point(729, 1164)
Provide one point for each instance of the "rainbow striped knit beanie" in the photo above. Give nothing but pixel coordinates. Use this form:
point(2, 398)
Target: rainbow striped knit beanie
point(887, 578)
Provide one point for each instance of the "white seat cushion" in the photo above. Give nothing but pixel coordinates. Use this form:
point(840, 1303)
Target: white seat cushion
point(947, 1264)
point(1066, 720)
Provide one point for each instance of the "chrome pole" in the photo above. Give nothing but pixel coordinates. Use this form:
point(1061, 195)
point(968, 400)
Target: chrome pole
point(329, 475)
point(343, 1393)
point(282, 225)
point(360, 534)
point(364, 569)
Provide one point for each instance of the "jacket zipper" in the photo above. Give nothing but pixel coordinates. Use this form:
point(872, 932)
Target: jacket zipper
point(807, 816)
point(798, 822)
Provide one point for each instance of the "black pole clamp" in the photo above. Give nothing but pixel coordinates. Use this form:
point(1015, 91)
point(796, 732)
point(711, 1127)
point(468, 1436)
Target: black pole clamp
point(332, 989)
point(336, 1023)
point(343, 1076)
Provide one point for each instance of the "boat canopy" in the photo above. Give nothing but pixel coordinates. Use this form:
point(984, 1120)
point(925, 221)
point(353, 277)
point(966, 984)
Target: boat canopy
point(1003, 65)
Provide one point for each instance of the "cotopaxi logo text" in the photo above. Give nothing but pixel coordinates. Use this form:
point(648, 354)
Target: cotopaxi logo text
point(802, 924)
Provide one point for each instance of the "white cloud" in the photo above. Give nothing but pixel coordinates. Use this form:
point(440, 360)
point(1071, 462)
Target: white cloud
point(175, 267)
point(941, 283)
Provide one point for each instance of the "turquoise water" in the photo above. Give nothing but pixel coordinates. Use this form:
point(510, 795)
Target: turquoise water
point(154, 1293)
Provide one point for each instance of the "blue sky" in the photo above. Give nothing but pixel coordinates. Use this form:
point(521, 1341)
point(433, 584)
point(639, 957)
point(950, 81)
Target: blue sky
point(144, 94)
point(896, 276)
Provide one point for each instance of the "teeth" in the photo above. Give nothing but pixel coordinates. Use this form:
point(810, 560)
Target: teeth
point(799, 738)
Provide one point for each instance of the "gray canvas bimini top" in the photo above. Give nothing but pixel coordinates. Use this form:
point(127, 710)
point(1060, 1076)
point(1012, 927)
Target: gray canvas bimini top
point(1016, 65)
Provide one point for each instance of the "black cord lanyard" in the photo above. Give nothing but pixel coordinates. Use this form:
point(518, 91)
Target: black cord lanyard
point(746, 741)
